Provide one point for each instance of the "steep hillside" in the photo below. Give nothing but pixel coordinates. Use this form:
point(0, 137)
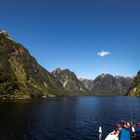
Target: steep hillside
point(69, 81)
point(134, 89)
point(20, 74)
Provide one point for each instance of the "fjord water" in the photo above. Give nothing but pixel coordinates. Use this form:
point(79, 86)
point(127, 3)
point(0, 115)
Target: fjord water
point(65, 118)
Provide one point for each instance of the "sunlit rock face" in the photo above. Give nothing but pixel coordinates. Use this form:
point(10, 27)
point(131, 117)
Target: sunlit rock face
point(69, 80)
point(134, 89)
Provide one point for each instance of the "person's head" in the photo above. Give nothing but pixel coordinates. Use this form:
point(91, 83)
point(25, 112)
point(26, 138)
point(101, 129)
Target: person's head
point(128, 124)
point(124, 126)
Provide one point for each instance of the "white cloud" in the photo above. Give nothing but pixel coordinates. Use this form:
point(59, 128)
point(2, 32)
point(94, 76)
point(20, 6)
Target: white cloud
point(103, 53)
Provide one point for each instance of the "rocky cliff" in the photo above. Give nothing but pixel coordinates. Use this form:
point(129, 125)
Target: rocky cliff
point(88, 83)
point(69, 81)
point(134, 89)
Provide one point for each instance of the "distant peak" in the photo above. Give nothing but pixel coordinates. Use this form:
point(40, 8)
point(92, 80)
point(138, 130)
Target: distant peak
point(58, 69)
point(138, 73)
point(3, 32)
point(82, 79)
point(118, 76)
point(67, 70)
point(103, 75)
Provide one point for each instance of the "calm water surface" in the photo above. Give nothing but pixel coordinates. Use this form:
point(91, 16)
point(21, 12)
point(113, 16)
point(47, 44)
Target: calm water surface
point(73, 118)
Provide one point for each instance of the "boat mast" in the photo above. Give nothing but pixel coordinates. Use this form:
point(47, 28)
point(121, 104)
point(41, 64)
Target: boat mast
point(100, 133)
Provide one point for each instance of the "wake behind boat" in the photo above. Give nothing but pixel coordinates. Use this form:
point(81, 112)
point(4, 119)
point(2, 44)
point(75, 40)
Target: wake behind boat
point(123, 131)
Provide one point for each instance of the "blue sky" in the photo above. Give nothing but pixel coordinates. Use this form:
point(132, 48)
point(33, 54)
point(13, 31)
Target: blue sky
point(70, 33)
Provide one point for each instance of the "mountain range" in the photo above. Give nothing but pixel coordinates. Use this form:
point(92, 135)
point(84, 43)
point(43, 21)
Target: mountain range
point(108, 85)
point(22, 77)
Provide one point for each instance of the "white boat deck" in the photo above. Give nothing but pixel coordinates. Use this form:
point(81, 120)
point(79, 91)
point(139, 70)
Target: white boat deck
point(111, 136)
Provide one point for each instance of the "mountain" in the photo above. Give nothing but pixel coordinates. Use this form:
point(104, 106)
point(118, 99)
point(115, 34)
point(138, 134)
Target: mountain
point(69, 81)
point(88, 83)
point(134, 89)
point(20, 74)
point(108, 85)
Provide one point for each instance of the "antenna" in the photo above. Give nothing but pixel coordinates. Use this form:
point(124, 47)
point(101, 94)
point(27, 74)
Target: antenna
point(100, 133)
point(133, 129)
point(133, 134)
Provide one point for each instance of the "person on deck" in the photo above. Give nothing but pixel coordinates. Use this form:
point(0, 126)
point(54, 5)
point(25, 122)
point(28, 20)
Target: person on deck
point(127, 125)
point(117, 126)
point(115, 132)
point(138, 124)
